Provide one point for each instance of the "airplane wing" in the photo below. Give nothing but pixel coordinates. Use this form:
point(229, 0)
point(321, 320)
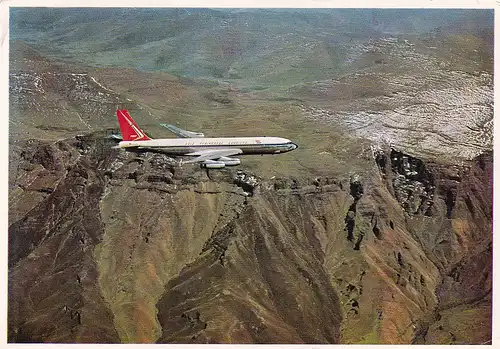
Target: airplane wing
point(212, 154)
point(183, 133)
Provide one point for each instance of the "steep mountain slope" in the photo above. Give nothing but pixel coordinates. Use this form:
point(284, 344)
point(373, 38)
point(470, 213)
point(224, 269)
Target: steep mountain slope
point(286, 261)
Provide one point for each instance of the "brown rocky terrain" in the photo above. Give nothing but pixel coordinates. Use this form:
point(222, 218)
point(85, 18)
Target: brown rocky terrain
point(372, 246)
point(116, 251)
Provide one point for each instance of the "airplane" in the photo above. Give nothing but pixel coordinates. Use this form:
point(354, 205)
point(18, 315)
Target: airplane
point(209, 152)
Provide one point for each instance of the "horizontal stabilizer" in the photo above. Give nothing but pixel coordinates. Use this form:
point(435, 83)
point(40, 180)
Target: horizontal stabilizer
point(183, 133)
point(115, 136)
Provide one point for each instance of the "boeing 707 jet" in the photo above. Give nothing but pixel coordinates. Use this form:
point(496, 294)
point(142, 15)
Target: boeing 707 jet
point(209, 152)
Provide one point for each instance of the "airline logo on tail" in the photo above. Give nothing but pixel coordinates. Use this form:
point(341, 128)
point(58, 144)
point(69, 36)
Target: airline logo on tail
point(130, 130)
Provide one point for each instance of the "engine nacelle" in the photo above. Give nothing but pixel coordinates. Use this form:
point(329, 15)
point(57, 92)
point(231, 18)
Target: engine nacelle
point(213, 164)
point(229, 161)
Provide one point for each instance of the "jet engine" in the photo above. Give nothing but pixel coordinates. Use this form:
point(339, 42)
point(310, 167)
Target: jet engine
point(213, 164)
point(229, 161)
point(223, 161)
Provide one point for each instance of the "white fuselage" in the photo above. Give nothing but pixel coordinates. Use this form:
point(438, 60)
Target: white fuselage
point(184, 146)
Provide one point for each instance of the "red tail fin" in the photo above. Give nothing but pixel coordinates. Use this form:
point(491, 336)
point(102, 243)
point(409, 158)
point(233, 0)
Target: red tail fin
point(130, 130)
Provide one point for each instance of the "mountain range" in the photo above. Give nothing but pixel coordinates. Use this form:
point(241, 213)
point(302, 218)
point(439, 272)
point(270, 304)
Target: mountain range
point(377, 229)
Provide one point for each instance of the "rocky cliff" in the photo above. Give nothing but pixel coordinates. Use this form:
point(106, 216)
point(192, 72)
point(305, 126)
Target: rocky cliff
point(107, 246)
